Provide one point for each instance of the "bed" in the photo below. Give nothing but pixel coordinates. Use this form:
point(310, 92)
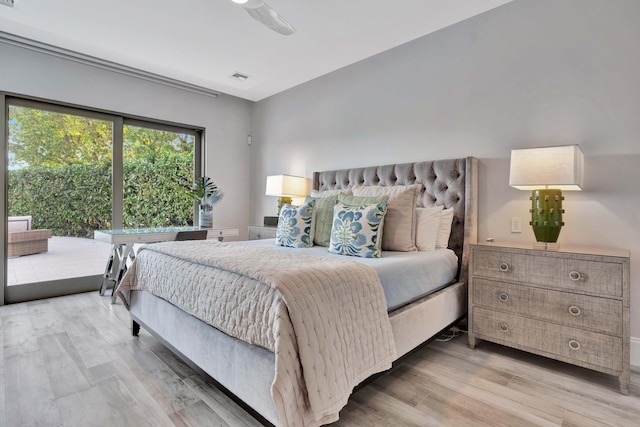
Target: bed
point(278, 381)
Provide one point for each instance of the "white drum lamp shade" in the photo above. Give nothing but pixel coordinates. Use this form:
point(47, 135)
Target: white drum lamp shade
point(560, 168)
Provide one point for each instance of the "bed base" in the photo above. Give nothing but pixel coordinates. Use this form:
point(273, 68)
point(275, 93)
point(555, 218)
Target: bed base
point(248, 379)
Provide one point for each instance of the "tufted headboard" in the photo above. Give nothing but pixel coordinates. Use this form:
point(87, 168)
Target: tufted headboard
point(452, 183)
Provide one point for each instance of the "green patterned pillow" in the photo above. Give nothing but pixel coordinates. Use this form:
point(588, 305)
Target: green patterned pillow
point(324, 218)
point(350, 200)
point(296, 226)
point(356, 230)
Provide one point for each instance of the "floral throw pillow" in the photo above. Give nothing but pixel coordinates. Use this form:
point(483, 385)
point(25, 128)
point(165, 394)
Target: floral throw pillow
point(296, 226)
point(355, 229)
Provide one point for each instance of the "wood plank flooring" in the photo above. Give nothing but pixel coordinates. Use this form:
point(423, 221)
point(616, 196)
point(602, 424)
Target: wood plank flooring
point(71, 361)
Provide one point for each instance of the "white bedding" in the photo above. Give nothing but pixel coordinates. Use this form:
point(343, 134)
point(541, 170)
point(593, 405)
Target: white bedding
point(405, 276)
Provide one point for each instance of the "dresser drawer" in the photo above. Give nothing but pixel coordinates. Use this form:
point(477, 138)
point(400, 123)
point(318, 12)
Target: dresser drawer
point(596, 277)
point(565, 343)
point(570, 309)
point(258, 233)
point(496, 265)
point(552, 270)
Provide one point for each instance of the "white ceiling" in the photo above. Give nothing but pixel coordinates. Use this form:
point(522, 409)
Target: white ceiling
point(203, 42)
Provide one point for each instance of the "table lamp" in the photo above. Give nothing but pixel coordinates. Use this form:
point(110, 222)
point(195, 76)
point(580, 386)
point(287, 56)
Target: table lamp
point(546, 171)
point(286, 187)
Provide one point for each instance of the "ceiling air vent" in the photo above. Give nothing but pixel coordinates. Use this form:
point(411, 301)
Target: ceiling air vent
point(7, 2)
point(236, 75)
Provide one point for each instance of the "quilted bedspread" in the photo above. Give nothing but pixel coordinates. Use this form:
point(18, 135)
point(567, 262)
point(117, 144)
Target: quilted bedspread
point(325, 320)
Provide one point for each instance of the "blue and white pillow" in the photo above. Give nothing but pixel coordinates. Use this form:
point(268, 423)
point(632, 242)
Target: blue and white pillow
point(357, 230)
point(296, 226)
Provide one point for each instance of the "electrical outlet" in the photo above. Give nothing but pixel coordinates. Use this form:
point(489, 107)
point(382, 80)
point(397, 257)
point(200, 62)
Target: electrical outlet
point(516, 225)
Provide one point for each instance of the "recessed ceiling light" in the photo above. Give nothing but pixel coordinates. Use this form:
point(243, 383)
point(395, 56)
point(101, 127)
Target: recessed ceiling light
point(239, 76)
point(240, 1)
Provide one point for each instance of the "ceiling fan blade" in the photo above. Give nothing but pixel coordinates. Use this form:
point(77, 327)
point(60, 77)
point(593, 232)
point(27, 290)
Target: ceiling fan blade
point(263, 13)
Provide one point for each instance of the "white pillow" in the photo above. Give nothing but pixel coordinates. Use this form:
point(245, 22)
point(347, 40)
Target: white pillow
point(400, 220)
point(427, 227)
point(444, 231)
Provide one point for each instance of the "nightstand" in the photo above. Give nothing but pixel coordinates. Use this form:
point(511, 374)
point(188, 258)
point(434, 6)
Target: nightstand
point(257, 232)
point(571, 305)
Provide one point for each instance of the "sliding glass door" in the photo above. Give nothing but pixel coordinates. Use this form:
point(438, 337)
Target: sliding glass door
point(70, 172)
point(58, 191)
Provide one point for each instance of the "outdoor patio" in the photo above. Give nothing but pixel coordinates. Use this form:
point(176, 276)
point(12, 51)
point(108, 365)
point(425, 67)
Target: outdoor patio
point(67, 257)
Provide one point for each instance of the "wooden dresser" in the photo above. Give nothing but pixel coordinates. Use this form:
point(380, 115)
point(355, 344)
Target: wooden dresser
point(571, 305)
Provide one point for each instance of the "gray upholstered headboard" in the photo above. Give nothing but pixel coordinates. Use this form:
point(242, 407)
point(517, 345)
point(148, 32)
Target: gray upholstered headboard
point(452, 183)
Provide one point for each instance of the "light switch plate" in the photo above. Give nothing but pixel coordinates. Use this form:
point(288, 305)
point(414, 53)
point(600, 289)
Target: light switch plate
point(516, 225)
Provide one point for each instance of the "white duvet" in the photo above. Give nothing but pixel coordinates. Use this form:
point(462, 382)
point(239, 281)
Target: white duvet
point(326, 320)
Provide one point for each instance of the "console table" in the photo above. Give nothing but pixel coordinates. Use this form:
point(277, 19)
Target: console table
point(122, 249)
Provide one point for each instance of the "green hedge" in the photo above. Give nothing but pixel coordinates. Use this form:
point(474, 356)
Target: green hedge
point(75, 200)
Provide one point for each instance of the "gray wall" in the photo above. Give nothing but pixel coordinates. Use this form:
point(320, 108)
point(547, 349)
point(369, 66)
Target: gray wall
point(529, 73)
point(226, 118)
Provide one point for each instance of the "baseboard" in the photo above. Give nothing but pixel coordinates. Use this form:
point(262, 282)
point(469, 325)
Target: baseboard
point(635, 352)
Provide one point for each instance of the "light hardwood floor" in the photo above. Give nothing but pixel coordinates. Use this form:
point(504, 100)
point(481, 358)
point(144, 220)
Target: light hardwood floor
point(71, 361)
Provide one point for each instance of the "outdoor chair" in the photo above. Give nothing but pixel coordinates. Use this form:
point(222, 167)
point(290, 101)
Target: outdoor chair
point(22, 240)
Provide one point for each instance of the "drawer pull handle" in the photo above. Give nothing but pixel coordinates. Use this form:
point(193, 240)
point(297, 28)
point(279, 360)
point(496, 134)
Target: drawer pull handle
point(504, 327)
point(575, 276)
point(504, 297)
point(575, 310)
point(574, 345)
point(504, 267)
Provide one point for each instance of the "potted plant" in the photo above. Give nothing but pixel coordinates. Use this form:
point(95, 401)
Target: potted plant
point(207, 194)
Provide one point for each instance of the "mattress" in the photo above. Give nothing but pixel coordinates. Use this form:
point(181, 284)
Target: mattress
point(405, 276)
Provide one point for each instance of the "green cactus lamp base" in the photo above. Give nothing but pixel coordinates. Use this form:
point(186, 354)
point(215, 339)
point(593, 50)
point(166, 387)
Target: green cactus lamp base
point(546, 216)
point(283, 200)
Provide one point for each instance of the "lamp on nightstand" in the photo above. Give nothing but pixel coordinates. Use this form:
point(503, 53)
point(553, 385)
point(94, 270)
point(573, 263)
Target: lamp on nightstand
point(286, 187)
point(546, 171)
